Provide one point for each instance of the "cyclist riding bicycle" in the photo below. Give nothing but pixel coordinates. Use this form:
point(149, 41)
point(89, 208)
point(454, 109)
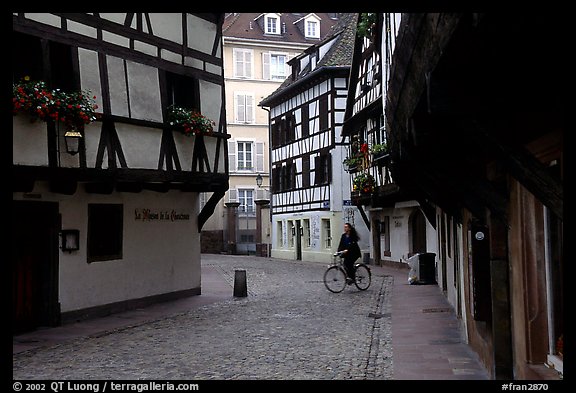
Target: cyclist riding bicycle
point(350, 250)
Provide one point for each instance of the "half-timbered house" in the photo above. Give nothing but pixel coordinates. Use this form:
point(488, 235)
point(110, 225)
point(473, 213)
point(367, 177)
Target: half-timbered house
point(475, 112)
point(114, 222)
point(257, 47)
point(398, 227)
point(309, 185)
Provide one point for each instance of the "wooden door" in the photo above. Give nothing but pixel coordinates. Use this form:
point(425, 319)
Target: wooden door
point(34, 265)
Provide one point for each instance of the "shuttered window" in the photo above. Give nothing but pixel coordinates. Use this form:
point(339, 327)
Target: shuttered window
point(274, 66)
point(242, 62)
point(244, 107)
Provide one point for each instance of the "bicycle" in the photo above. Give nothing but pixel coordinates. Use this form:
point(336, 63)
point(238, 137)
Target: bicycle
point(336, 278)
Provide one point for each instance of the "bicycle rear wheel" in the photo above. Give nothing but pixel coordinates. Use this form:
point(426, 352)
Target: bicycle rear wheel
point(335, 279)
point(363, 277)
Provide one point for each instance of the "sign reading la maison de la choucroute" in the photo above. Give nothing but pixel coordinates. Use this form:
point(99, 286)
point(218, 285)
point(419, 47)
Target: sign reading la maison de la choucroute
point(160, 215)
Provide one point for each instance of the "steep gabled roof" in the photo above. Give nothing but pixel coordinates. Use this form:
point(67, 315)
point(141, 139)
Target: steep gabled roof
point(339, 55)
point(244, 25)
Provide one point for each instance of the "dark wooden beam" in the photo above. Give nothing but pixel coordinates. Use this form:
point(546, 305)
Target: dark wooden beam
point(418, 50)
point(364, 217)
point(527, 170)
point(208, 208)
point(129, 186)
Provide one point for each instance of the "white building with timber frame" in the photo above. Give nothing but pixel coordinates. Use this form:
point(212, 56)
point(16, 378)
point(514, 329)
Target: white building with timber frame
point(128, 200)
point(310, 188)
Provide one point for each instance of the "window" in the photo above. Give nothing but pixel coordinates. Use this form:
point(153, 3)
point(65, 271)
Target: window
point(305, 112)
point(272, 24)
point(326, 233)
point(244, 107)
point(306, 171)
point(204, 197)
point(276, 183)
point(29, 59)
point(291, 234)
point(385, 232)
point(246, 199)
point(306, 227)
point(290, 127)
point(105, 231)
point(279, 234)
point(183, 91)
point(274, 66)
point(323, 112)
point(242, 62)
point(323, 168)
point(312, 30)
point(245, 156)
point(247, 238)
point(288, 176)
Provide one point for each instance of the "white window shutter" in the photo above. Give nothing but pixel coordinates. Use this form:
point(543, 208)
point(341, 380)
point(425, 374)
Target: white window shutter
point(232, 195)
point(231, 156)
point(249, 108)
point(266, 66)
point(259, 156)
point(240, 107)
point(248, 64)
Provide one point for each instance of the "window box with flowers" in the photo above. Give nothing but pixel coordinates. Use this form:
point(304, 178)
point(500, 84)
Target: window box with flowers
point(363, 183)
point(353, 164)
point(379, 153)
point(72, 109)
point(189, 122)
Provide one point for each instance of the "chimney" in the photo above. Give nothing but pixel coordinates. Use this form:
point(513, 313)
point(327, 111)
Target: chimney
point(283, 27)
point(251, 25)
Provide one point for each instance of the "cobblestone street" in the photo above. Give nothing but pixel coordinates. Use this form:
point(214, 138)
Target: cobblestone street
point(289, 327)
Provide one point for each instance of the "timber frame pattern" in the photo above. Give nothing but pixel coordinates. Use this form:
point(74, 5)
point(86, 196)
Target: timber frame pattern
point(364, 120)
point(305, 186)
point(104, 164)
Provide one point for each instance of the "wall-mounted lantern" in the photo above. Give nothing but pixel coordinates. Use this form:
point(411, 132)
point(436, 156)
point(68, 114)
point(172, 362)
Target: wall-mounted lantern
point(70, 240)
point(72, 139)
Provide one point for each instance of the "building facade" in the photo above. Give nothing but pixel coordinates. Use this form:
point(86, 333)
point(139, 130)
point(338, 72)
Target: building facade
point(257, 48)
point(114, 221)
point(395, 220)
point(310, 187)
point(486, 161)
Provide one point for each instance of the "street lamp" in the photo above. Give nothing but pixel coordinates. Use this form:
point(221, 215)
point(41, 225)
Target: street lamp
point(259, 180)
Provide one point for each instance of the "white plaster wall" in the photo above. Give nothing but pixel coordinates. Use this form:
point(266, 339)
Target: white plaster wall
point(90, 75)
point(144, 91)
point(211, 99)
point(201, 34)
point(400, 234)
point(140, 145)
point(29, 141)
point(158, 256)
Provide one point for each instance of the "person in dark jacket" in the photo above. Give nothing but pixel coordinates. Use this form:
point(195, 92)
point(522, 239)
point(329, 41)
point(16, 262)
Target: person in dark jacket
point(349, 244)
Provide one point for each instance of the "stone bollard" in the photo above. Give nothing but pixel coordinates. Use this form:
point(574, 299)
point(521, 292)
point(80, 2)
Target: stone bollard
point(240, 287)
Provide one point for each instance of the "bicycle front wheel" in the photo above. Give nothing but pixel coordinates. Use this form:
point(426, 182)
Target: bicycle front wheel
point(363, 277)
point(335, 279)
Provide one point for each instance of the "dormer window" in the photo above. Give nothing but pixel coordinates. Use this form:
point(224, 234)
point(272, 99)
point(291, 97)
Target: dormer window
point(272, 24)
point(312, 29)
point(309, 26)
